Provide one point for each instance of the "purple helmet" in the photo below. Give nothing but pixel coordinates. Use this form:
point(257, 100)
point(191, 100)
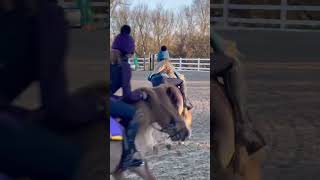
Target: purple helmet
point(124, 41)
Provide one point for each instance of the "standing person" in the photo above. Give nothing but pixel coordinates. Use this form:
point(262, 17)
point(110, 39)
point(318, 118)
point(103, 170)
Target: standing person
point(228, 66)
point(86, 14)
point(168, 74)
point(120, 106)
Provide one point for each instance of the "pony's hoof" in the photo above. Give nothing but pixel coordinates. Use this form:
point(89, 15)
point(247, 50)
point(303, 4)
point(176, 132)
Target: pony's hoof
point(168, 146)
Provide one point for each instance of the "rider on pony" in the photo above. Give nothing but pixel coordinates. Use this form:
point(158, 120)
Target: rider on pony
point(227, 65)
point(164, 72)
point(120, 75)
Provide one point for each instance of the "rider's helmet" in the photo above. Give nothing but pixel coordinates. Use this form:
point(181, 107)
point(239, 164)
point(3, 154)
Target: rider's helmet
point(163, 54)
point(124, 42)
point(125, 29)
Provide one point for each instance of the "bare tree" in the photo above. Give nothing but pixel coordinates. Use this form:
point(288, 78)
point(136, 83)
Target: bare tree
point(181, 34)
point(141, 18)
point(114, 4)
point(185, 33)
point(201, 9)
point(162, 25)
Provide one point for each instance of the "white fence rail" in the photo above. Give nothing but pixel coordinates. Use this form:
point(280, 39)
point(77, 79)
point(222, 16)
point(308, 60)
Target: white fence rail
point(181, 64)
point(283, 22)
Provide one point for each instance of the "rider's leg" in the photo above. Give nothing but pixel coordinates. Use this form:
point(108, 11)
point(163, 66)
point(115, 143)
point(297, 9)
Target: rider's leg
point(236, 90)
point(27, 151)
point(180, 83)
point(131, 116)
point(221, 63)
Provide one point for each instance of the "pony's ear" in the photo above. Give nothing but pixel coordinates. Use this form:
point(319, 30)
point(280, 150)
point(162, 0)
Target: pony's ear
point(175, 97)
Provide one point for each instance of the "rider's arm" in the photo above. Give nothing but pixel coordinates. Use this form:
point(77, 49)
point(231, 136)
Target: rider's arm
point(176, 73)
point(128, 95)
point(159, 68)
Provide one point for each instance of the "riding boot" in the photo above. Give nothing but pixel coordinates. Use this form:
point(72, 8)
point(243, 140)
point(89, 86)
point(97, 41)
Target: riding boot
point(186, 101)
point(235, 89)
point(129, 147)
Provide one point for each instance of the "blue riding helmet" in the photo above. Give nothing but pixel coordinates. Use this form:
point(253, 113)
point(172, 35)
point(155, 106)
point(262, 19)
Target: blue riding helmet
point(163, 54)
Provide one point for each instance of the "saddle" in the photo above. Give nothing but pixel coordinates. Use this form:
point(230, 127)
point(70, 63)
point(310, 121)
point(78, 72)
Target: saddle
point(157, 79)
point(116, 133)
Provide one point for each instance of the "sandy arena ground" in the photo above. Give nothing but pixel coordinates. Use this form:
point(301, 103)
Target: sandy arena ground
point(284, 102)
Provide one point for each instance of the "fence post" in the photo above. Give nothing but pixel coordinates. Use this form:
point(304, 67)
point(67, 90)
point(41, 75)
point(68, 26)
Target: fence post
point(150, 63)
point(198, 64)
point(225, 13)
point(144, 60)
point(152, 60)
point(284, 5)
point(180, 64)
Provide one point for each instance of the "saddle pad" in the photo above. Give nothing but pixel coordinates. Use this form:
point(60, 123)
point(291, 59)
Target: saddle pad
point(115, 130)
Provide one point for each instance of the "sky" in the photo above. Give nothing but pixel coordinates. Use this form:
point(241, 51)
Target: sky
point(168, 4)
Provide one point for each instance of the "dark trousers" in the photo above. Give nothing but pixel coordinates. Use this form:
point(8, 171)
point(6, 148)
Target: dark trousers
point(177, 82)
point(123, 110)
point(221, 63)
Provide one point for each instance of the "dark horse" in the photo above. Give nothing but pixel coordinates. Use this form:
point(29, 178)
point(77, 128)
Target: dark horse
point(231, 158)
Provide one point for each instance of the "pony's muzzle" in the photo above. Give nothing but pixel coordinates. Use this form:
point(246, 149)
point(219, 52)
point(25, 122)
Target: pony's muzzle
point(182, 135)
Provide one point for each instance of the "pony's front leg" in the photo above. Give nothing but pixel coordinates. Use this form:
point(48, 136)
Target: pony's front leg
point(145, 141)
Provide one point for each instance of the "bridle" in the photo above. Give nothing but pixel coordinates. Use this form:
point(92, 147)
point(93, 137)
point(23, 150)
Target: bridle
point(170, 126)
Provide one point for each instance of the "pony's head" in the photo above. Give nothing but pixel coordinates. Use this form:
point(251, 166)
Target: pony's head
point(165, 104)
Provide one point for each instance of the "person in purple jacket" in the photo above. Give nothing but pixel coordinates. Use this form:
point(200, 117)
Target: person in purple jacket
point(120, 106)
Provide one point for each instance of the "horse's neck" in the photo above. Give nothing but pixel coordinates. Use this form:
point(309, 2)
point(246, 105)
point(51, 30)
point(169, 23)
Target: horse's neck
point(144, 139)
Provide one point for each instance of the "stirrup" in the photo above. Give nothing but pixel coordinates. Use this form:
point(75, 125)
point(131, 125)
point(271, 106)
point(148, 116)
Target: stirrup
point(131, 164)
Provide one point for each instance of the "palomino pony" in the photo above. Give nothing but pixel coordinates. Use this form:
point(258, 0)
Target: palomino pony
point(231, 159)
point(161, 107)
point(184, 112)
